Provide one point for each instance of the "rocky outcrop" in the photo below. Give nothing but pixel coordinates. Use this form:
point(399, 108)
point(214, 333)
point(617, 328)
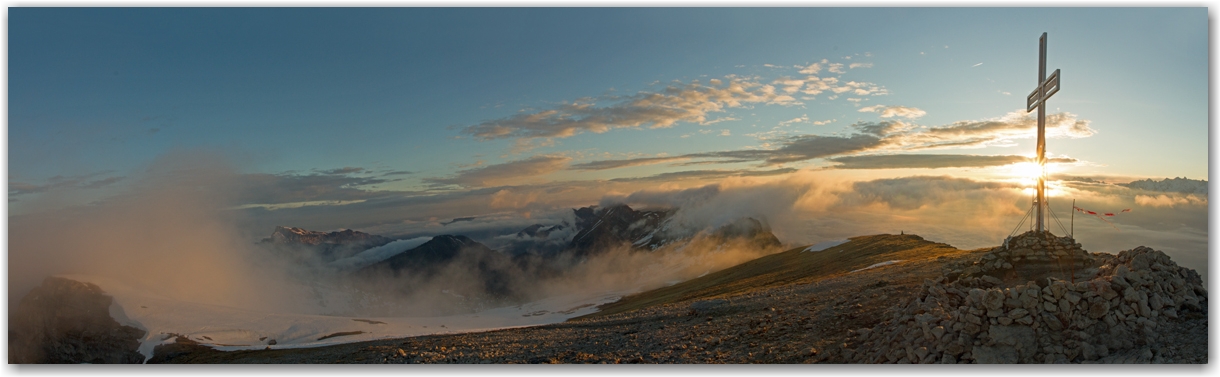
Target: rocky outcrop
point(601, 229)
point(68, 322)
point(985, 313)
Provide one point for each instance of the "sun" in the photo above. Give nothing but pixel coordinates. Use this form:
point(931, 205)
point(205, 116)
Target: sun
point(1026, 173)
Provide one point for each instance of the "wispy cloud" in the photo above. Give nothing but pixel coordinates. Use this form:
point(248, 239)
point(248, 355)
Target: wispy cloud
point(801, 119)
point(504, 173)
point(691, 102)
point(266, 189)
point(976, 65)
point(893, 111)
point(860, 65)
point(614, 164)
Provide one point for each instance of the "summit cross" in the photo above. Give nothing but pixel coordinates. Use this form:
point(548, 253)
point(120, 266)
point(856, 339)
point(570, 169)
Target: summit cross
point(1047, 86)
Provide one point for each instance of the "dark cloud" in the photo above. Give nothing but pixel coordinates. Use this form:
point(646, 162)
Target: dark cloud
point(614, 164)
point(400, 172)
point(809, 147)
point(881, 129)
point(705, 174)
point(932, 161)
point(459, 219)
point(501, 173)
point(343, 170)
point(61, 182)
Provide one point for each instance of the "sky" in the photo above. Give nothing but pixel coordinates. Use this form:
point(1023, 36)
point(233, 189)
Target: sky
point(826, 122)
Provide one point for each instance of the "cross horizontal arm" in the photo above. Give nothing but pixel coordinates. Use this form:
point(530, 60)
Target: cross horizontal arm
point(1045, 90)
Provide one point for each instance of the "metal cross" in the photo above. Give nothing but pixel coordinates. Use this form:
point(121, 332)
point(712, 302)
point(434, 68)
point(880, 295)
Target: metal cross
point(1047, 86)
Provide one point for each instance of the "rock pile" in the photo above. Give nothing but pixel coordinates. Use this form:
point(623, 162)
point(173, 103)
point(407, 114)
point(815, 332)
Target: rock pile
point(973, 316)
point(1036, 254)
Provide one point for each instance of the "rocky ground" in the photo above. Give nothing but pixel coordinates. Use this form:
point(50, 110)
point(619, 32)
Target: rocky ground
point(986, 310)
point(1044, 299)
point(794, 323)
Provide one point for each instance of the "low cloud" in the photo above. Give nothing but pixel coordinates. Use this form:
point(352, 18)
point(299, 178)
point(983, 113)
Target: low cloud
point(1178, 185)
point(1170, 200)
point(887, 136)
point(915, 192)
point(498, 174)
point(931, 161)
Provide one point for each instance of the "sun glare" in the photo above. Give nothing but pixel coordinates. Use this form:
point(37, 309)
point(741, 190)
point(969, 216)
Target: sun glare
point(1026, 172)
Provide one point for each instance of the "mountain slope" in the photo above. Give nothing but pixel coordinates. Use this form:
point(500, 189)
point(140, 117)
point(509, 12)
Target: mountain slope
point(459, 263)
point(789, 267)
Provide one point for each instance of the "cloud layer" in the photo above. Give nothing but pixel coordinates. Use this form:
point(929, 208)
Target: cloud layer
point(888, 136)
point(932, 161)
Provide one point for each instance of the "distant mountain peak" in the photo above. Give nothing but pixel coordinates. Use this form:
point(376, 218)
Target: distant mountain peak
point(293, 235)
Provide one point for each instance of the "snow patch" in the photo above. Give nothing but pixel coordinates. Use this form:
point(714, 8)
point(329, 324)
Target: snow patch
point(824, 245)
point(886, 263)
point(230, 329)
point(378, 254)
point(643, 240)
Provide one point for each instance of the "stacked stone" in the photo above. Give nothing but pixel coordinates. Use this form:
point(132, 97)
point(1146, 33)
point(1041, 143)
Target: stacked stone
point(1032, 248)
point(981, 320)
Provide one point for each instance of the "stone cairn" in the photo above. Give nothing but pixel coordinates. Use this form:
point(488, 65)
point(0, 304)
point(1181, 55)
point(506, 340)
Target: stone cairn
point(1012, 306)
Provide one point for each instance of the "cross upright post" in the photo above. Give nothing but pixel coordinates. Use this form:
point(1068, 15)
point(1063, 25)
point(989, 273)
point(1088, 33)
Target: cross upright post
point(1047, 86)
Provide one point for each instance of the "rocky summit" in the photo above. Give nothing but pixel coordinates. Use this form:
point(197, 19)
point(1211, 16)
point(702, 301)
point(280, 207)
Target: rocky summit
point(1042, 299)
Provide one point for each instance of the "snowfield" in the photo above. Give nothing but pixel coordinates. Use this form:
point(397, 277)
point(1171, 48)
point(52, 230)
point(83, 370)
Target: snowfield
point(229, 329)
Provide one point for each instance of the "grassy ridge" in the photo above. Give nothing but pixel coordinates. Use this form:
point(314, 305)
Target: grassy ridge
point(789, 267)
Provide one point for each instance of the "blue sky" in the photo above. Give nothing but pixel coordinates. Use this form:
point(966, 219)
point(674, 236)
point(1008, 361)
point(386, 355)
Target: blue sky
point(429, 112)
